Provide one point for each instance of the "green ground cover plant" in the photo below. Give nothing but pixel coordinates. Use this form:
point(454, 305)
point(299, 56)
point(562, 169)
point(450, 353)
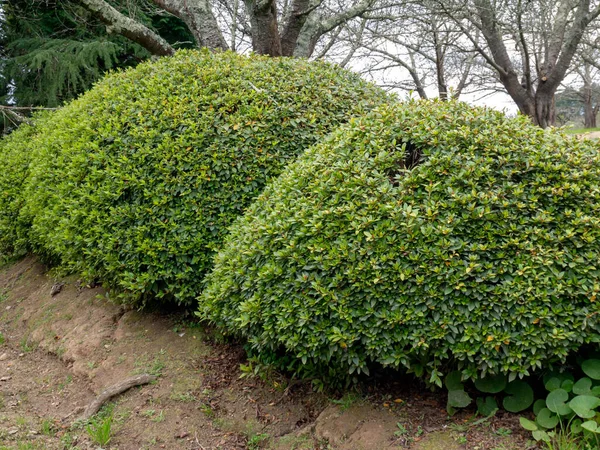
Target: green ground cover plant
point(136, 182)
point(570, 406)
point(426, 236)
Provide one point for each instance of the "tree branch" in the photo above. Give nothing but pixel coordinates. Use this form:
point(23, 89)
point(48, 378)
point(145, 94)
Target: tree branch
point(316, 26)
point(135, 31)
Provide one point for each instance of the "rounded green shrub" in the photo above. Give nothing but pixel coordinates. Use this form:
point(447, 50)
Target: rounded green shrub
point(15, 155)
point(136, 182)
point(426, 235)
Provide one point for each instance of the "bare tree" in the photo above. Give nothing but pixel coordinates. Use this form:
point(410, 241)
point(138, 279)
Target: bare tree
point(276, 28)
point(586, 67)
point(530, 44)
point(416, 41)
point(589, 94)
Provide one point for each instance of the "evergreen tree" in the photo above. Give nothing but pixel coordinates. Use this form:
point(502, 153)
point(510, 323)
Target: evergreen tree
point(51, 50)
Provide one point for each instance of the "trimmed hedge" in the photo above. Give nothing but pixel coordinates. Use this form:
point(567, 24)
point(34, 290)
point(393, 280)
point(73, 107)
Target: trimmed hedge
point(136, 182)
point(15, 155)
point(427, 236)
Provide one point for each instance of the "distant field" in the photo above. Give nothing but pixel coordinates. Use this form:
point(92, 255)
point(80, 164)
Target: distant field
point(581, 130)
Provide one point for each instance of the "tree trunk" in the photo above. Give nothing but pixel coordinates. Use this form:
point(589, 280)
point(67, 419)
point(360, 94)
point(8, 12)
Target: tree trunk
point(200, 20)
point(265, 31)
point(293, 27)
point(540, 109)
point(590, 117)
point(441, 78)
point(545, 111)
point(588, 109)
point(439, 64)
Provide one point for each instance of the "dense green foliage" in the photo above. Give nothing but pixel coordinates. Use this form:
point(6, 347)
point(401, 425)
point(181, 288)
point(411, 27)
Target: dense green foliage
point(15, 155)
point(137, 181)
point(427, 236)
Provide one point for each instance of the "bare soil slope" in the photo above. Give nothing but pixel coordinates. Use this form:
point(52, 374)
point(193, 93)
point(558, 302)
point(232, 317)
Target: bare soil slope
point(57, 352)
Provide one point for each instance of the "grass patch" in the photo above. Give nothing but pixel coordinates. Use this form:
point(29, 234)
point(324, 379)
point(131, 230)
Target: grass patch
point(143, 364)
point(26, 346)
point(48, 427)
point(257, 441)
point(349, 399)
point(100, 430)
point(581, 130)
point(184, 397)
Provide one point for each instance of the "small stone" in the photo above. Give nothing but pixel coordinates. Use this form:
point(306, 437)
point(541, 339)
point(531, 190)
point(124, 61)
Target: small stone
point(56, 288)
point(5, 378)
point(8, 307)
point(13, 431)
point(4, 356)
point(21, 355)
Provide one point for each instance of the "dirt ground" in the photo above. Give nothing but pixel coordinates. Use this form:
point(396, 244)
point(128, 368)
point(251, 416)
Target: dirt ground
point(592, 135)
point(58, 352)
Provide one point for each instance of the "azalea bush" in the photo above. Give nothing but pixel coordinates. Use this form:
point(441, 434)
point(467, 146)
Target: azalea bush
point(426, 236)
point(136, 182)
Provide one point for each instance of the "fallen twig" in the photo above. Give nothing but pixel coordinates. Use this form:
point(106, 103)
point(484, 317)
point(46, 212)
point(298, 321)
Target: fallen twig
point(113, 390)
point(200, 446)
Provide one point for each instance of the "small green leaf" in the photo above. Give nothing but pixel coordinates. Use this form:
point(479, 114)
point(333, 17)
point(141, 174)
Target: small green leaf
point(528, 424)
point(552, 384)
point(584, 406)
point(576, 426)
point(491, 384)
point(583, 387)
point(591, 368)
point(547, 419)
point(540, 435)
point(567, 385)
point(453, 381)
point(556, 401)
point(590, 425)
point(486, 407)
point(458, 399)
point(520, 396)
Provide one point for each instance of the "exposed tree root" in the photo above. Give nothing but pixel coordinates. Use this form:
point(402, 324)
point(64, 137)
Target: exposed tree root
point(113, 390)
